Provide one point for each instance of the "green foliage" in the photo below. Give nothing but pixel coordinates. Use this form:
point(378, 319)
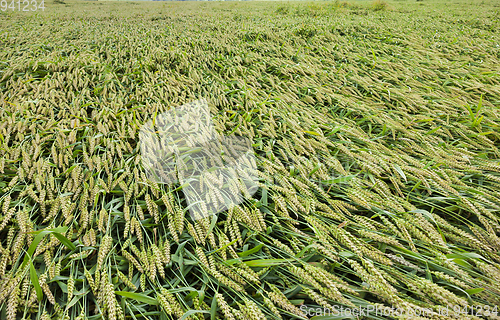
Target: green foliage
point(379, 5)
point(376, 136)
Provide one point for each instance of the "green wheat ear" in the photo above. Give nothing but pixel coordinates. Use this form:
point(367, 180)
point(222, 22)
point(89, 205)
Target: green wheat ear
point(375, 131)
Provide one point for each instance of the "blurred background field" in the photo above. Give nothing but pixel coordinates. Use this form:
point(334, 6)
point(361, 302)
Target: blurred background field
point(376, 131)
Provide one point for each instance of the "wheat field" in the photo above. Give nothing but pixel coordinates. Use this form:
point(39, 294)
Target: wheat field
point(375, 127)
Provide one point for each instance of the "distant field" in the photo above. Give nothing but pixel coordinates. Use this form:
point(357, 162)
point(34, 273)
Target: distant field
point(375, 126)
